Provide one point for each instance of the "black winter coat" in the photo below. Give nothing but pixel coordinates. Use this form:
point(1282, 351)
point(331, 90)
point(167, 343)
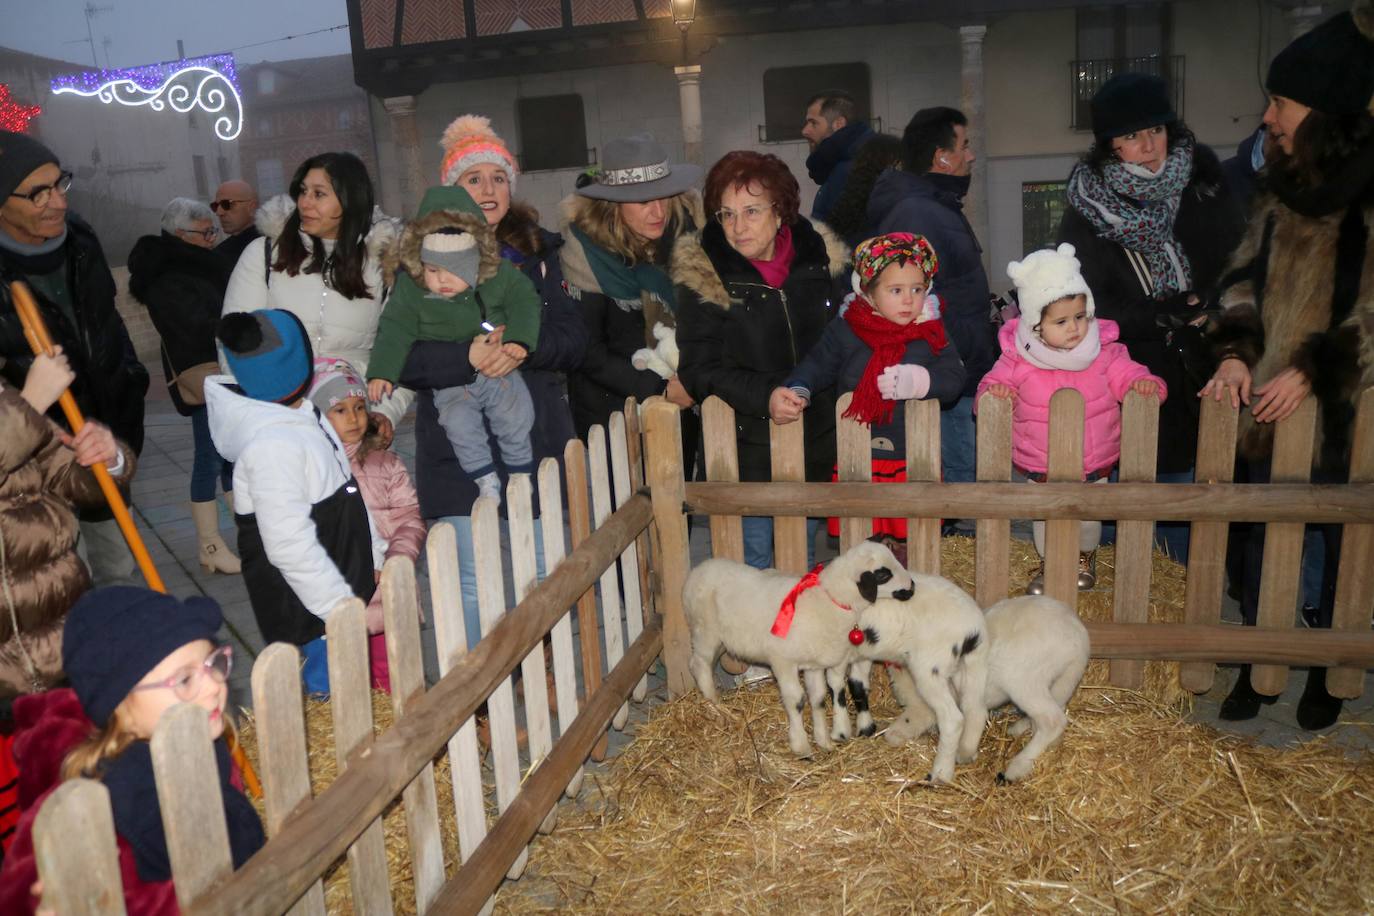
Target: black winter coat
point(110, 381)
point(739, 338)
point(1209, 225)
point(231, 249)
point(442, 485)
point(182, 286)
point(931, 205)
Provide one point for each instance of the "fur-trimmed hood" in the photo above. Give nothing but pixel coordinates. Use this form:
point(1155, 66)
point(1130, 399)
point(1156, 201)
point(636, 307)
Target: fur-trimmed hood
point(405, 254)
point(692, 266)
point(272, 216)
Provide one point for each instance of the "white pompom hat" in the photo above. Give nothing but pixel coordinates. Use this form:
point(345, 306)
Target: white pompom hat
point(1047, 276)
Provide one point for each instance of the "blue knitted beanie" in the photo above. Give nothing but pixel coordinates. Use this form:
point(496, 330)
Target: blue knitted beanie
point(269, 353)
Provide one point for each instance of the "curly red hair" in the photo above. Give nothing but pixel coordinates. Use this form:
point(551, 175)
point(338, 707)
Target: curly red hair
point(760, 172)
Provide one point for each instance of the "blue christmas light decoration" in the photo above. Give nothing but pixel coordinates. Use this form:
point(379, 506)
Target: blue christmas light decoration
point(208, 83)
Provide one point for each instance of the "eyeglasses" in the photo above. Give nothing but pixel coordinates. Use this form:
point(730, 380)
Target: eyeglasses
point(208, 234)
point(185, 684)
point(226, 204)
point(748, 214)
point(40, 196)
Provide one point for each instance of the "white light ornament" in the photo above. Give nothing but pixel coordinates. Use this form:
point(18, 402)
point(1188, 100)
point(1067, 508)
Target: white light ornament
point(209, 84)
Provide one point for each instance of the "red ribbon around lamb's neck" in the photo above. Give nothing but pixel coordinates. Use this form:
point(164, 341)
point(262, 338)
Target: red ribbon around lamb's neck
point(783, 622)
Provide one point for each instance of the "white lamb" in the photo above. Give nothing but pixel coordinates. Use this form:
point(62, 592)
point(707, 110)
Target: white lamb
point(939, 635)
point(732, 607)
point(1038, 650)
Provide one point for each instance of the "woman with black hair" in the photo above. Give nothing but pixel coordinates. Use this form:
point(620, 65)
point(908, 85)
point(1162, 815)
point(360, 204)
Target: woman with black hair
point(849, 215)
point(1153, 222)
point(320, 258)
point(1298, 318)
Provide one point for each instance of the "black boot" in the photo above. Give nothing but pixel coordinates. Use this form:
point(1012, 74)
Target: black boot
point(1243, 702)
point(1318, 709)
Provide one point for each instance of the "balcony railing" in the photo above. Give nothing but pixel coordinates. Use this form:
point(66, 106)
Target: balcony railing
point(1088, 76)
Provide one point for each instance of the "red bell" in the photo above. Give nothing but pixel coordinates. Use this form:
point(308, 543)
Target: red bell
point(856, 636)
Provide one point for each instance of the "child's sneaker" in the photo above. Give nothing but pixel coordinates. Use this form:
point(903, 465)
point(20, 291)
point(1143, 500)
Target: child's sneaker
point(489, 485)
point(1036, 585)
point(1087, 570)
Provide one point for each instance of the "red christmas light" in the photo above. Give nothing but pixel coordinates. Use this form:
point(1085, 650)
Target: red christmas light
point(14, 116)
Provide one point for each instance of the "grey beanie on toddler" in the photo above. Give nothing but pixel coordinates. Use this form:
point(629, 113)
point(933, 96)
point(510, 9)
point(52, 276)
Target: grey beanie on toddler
point(453, 250)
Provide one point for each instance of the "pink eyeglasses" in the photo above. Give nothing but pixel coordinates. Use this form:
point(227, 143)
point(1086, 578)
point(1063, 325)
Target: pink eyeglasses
point(185, 684)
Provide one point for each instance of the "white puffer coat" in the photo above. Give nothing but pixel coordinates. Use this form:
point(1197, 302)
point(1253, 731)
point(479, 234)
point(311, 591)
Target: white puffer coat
point(338, 327)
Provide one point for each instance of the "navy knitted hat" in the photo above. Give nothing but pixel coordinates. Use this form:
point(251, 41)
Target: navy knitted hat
point(1331, 68)
point(20, 155)
point(1129, 102)
point(114, 636)
point(269, 353)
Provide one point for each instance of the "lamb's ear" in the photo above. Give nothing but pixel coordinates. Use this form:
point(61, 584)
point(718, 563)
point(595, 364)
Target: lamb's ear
point(868, 586)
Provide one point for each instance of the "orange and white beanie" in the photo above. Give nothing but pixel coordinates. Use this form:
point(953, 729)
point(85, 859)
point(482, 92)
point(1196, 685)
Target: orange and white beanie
point(470, 141)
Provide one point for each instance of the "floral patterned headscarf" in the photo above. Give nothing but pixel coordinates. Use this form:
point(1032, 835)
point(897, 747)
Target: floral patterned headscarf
point(875, 255)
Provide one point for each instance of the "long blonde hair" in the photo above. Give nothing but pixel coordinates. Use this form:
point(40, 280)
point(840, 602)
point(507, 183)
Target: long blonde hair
point(600, 221)
point(106, 744)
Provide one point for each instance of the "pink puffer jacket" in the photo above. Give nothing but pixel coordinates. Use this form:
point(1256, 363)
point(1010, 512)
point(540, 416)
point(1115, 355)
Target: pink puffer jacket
point(395, 511)
point(1103, 385)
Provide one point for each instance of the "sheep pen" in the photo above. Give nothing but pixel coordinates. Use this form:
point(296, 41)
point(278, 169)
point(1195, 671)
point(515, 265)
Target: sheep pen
point(1136, 809)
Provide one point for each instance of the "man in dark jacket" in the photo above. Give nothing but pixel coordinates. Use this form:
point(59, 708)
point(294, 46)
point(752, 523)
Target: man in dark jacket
point(59, 257)
point(235, 204)
point(926, 196)
point(835, 133)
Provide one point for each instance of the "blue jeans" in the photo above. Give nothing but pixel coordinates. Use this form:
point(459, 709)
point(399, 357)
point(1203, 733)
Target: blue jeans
point(315, 668)
point(1172, 537)
point(958, 448)
point(758, 541)
point(467, 569)
point(207, 467)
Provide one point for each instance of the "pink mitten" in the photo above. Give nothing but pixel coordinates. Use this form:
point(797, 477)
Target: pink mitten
point(904, 382)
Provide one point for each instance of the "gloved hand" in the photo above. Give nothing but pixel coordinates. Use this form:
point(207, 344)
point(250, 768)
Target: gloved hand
point(904, 382)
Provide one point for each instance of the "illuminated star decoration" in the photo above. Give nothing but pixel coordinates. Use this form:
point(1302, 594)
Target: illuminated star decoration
point(207, 83)
point(14, 116)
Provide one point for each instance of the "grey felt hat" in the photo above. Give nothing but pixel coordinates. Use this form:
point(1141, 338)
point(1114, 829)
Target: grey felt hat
point(636, 169)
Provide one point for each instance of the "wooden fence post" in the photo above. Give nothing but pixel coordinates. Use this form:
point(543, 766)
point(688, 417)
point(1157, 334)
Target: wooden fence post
point(580, 528)
point(524, 571)
point(630, 566)
point(610, 580)
point(1355, 581)
point(663, 445)
point(78, 859)
point(564, 663)
point(187, 776)
point(923, 463)
point(634, 445)
point(1281, 570)
point(854, 459)
point(450, 637)
point(787, 457)
point(722, 464)
point(491, 598)
point(279, 713)
point(1216, 462)
point(350, 703)
point(1066, 465)
point(993, 545)
point(1134, 539)
point(401, 609)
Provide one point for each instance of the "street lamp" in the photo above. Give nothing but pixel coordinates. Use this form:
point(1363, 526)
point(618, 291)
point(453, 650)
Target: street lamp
point(684, 12)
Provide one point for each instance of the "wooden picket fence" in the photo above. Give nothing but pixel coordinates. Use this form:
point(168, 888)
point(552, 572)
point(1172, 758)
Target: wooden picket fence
point(611, 549)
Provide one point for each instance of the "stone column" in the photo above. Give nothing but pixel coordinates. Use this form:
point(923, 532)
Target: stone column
point(1302, 19)
point(689, 98)
point(405, 136)
point(971, 103)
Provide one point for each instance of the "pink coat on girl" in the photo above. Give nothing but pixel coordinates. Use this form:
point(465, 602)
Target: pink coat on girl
point(1103, 384)
point(394, 508)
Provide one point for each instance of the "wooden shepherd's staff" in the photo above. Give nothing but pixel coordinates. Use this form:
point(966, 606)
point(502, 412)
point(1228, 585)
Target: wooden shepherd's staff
point(36, 332)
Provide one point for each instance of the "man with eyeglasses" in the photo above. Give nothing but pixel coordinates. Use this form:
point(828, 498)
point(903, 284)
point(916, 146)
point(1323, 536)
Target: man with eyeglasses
point(58, 256)
point(235, 204)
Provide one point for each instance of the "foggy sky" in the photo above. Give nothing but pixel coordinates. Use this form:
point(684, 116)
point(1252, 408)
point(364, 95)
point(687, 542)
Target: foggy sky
point(146, 31)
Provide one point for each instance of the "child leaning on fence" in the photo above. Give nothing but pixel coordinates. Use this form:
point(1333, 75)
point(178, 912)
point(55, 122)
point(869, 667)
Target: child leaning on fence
point(131, 654)
point(454, 285)
point(340, 394)
point(887, 346)
point(1059, 343)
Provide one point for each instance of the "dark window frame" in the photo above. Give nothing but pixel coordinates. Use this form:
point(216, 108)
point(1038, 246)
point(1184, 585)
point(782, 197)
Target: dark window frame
point(553, 132)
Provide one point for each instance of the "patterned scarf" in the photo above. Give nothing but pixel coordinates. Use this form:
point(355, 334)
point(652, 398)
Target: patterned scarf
point(888, 342)
point(1136, 210)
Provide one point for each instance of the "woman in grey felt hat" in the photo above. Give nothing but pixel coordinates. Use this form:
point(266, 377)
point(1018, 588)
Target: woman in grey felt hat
point(618, 232)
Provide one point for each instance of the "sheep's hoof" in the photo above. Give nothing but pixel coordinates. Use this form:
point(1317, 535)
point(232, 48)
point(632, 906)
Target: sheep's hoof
point(1002, 779)
point(868, 731)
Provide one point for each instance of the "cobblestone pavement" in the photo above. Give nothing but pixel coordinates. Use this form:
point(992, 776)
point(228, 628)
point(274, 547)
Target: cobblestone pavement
point(161, 492)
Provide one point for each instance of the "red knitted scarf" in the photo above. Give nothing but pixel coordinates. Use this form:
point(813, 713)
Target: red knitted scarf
point(888, 342)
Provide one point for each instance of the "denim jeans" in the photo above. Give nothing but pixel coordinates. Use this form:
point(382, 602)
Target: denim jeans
point(1172, 537)
point(958, 448)
point(467, 569)
point(207, 467)
point(758, 541)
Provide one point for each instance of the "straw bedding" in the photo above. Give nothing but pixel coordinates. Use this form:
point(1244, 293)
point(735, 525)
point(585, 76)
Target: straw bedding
point(1136, 810)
